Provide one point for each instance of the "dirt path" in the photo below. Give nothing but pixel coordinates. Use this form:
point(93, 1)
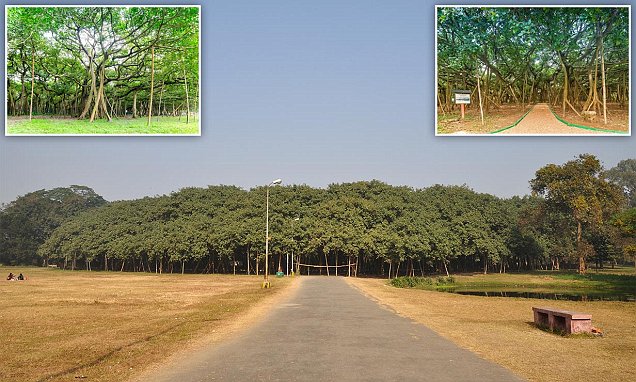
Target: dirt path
point(329, 331)
point(541, 121)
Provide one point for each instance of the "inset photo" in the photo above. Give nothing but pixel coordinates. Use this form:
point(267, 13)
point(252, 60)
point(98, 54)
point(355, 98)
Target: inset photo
point(102, 70)
point(533, 70)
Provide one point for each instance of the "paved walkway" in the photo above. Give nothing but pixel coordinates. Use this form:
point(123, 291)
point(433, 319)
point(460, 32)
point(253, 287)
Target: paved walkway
point(329, 331)
point(540, 120)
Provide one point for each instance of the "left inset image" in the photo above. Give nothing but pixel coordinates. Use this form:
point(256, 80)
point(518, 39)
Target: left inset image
point(102, 70)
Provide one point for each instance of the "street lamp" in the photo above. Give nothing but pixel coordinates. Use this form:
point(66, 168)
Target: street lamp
point(266, 280)
point(292, 251)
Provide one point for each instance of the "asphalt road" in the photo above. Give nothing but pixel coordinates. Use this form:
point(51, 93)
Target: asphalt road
point(329, 331)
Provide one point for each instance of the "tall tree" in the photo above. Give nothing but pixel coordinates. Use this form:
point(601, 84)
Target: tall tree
point(29, 221)
point(578, 189)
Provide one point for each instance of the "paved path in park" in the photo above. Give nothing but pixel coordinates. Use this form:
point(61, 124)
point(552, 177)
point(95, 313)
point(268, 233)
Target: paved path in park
point(329, 331)
point(540, 120)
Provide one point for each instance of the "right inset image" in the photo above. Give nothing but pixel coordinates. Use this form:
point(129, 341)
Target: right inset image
point(533, 70)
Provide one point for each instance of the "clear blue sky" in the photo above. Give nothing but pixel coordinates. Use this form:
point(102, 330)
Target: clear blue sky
point(314, 92)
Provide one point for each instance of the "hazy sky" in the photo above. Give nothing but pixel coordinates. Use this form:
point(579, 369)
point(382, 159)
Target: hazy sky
point(313, 92)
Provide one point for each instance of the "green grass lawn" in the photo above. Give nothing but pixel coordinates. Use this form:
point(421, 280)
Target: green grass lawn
point(621, 279)
point(43, 126)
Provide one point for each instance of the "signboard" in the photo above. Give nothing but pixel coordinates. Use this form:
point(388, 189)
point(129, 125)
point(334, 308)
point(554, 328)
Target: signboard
point(462, 97)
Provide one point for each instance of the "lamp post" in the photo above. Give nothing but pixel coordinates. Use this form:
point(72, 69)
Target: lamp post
point(266, 280)
point(293, 245)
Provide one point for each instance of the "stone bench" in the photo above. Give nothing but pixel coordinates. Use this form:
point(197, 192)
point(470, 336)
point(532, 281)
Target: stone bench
point(562, 320)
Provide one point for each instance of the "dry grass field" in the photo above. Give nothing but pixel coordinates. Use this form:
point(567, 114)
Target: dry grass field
point(105, 326)
point(500, 329)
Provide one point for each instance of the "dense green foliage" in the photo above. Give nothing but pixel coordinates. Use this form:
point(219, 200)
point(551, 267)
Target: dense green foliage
point(102, 62)
point(29, 220)
point(383, 229)
point(527, 55)
point(375, 227)
point(578, 191)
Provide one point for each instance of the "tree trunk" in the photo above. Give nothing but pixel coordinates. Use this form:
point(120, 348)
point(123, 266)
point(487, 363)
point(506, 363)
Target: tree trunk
point(481, 109)
point(486, 104)
point(336, 263)
point(152, 84)
point(134, 108)
point(160, 98)
point(32, 79)
point(565, 84)
point(102, 76)
point(603, 84)
point(248, 261)
point(578, 246)
point(185, 80)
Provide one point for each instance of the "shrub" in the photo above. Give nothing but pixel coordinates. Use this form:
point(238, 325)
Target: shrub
point(420, 282)
point(412, 282)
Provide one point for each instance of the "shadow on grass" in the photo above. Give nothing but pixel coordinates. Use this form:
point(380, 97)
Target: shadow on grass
point(561, 333)
point(104, 357)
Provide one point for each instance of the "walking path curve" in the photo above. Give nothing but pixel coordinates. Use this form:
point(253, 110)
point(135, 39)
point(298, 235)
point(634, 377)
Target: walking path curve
point(540, 120)
point(329, 331)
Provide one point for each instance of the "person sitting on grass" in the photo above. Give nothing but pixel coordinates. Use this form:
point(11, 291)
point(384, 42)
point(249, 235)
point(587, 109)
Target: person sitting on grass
point(11, 277)
point(21, 277)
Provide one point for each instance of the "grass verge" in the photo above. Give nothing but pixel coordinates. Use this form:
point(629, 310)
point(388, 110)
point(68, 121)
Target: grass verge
point(543, 281)
point(502, 330)
point(61, 325)
point(119, 126)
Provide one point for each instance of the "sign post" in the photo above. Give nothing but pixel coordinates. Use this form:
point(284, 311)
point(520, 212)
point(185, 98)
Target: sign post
point(462, 97)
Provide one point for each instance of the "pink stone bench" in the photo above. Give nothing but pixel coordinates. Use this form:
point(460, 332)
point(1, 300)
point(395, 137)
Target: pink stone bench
point(562, 320)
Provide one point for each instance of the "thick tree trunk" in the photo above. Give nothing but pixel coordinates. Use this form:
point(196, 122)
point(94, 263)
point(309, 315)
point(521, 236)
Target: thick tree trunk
point(578, 247)
point(102, 94)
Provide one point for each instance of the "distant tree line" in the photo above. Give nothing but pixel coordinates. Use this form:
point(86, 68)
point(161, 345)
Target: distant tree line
point(365, 228)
